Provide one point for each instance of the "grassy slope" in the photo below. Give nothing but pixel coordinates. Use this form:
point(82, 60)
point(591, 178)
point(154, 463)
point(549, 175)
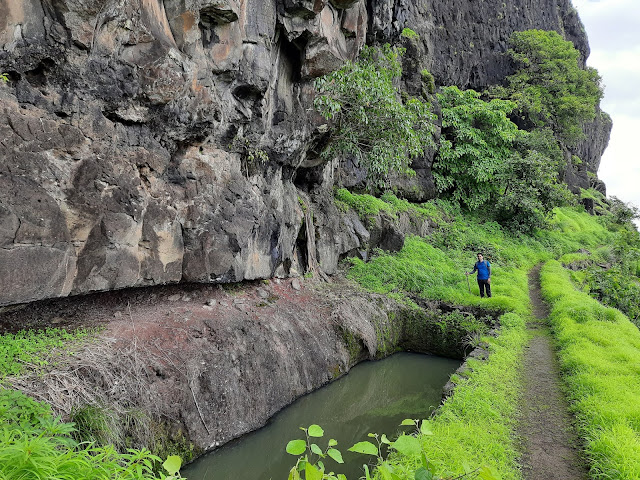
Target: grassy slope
point(36, 445)
point(599, 350)
point(474, 427)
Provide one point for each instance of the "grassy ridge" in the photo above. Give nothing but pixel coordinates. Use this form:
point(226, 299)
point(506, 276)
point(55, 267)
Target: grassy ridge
point(474, 426)
point(599, 350)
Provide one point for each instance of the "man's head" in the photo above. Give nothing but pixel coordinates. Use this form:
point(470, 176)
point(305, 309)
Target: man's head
point(480, 257)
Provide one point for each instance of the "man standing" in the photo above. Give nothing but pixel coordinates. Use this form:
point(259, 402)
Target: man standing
point(484, 275)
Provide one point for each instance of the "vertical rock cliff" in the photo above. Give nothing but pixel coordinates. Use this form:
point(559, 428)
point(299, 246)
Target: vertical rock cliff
point(149, 142)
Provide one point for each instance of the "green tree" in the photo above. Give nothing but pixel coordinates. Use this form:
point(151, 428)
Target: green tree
point(476, 143)
point(372, 122)
point(549, 88)
point(529, 185)
point(485, 159)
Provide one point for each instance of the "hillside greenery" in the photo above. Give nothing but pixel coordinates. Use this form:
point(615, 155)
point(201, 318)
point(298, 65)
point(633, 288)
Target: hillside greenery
point(549, 88)
point(372, 122)
point(473, 428)
point(501, 152)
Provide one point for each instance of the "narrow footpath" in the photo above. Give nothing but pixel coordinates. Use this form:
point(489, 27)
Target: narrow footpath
point(550, 445)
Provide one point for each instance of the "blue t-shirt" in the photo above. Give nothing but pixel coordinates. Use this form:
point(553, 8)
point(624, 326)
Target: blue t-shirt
point(483, 269)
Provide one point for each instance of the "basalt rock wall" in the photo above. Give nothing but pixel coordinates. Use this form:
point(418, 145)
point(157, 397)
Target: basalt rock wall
point(148, 142)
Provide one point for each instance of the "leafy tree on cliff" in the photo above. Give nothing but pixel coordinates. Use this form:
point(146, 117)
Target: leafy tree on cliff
point(486, 162)
point(549, 88)
point(477, 142)
point(373, 122)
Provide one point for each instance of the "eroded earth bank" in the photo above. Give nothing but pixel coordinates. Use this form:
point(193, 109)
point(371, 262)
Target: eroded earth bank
point(209, 363)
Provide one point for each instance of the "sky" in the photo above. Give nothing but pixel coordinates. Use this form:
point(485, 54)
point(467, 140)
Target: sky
point(613, 28)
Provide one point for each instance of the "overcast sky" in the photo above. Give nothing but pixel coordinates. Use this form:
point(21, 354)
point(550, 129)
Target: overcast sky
point(613, 28)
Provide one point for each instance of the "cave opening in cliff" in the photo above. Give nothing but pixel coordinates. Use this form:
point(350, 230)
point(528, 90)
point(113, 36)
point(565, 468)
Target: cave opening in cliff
point(291, 53)
point(307, 179)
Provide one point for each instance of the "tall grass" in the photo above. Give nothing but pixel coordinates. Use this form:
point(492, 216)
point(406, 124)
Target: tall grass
point(599, 351)
point(36, 446)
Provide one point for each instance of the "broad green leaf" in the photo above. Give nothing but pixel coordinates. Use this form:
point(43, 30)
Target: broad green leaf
point(296, 447)
point(425, 428)
point(423, 474)
point(342, 477)
point(487, 473)
point(172, 464)
point(385, 440)
point(315, 431)
point(311, 472)
point(316, 449)
point(407, 445)
point(367, 448)
point(408, 421)
point(335, 454)
point(427, 464)
point(333, 443)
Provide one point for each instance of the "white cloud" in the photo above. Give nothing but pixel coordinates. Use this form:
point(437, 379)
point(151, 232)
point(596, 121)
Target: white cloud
point(612, 27)
point(620, 167)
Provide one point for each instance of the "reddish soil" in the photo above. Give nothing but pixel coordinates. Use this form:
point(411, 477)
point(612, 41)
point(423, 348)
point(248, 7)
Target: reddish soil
point(160, 313)
point(551, 447)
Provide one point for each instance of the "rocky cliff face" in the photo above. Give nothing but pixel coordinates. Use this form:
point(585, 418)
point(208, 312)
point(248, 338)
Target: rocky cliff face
point(150, 142)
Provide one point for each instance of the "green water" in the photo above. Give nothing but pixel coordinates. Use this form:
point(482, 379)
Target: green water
point(373, 397)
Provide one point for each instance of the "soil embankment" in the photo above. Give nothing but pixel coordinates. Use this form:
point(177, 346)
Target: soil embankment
point(551, 448)
point(215, 362)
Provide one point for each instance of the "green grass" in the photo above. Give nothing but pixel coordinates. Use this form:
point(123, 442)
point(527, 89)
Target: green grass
point(599, 350)
point(29, 349)
point(368, 206)
point(34, 445)
point(475, 426)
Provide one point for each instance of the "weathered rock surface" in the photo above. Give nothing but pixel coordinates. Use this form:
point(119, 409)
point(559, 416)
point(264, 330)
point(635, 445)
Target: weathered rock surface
point(462, 43)
point(152, 142)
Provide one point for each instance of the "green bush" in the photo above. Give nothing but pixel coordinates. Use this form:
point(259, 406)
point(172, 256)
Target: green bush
point(36, 349)
point(410, 34)
point(35, 445)
point(371, 122)
point(428, 81)
point(477, 141)
point(549, 87)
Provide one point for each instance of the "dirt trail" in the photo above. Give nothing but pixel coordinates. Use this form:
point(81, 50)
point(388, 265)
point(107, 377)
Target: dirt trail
point(548, 437)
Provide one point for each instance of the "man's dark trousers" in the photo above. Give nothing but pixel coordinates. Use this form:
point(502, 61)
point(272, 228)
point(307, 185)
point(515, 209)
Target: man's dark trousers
point(482, 284)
